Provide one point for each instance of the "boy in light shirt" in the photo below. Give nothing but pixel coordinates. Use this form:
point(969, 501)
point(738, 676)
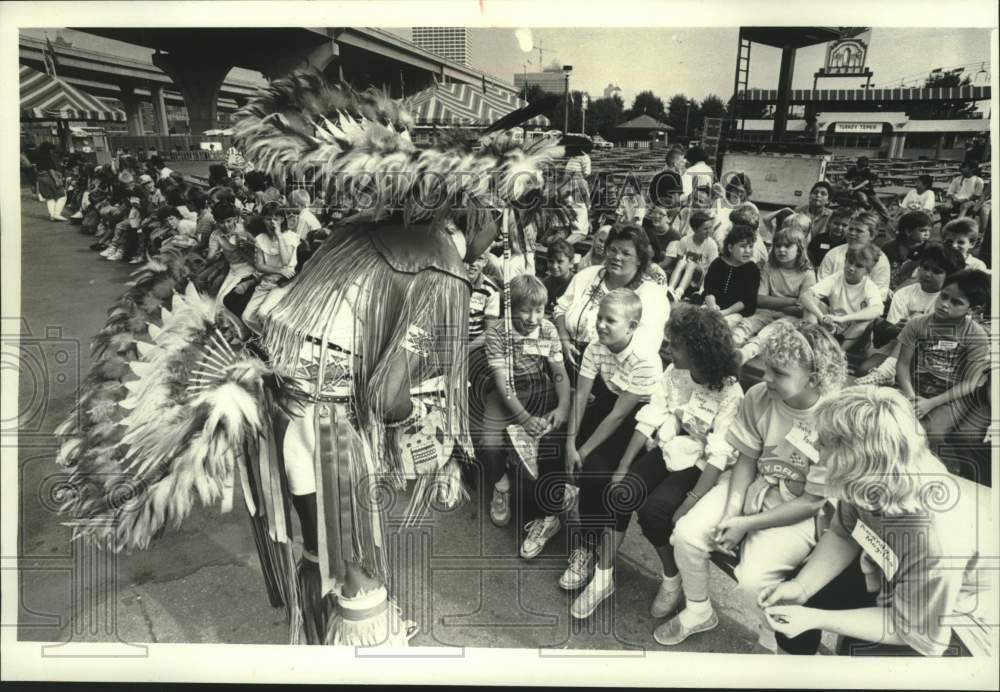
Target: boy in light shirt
point(963, 234)
point(847, 301)
point(922, 197)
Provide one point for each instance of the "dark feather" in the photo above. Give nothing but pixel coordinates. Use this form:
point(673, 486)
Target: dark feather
point(521, 115)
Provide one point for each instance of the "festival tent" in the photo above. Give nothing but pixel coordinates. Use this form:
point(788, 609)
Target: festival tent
point(44, 97)
point(465, 104)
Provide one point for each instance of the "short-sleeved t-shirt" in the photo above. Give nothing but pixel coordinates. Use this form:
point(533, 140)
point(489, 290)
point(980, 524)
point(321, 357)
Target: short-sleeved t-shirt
point(530, 351)
point(785, 283)
point(909, 302)
point(834, 260)
point(781, 439)
point(703, 255)
point(307, 223)
point(634, 369)
point(845, 298)
point(943, 354)
point(930, 564)
point(484, 301)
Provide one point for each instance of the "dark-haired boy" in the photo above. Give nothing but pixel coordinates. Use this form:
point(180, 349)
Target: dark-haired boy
point(558, 272)
point(944, 356)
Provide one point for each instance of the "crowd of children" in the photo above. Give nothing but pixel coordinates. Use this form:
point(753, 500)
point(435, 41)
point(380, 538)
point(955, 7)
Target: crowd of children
point(613, 386)
point(802, 301)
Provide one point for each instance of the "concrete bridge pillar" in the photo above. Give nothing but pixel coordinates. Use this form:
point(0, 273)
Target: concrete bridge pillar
point(199, 78)
point(160, 112)
point(133, 109)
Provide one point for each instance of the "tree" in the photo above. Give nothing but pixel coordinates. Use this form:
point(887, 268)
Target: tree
point(534, 93)
point(682, 115)
point(605, 114)
point(944, 110)
point(713, 107)
point(646, 102)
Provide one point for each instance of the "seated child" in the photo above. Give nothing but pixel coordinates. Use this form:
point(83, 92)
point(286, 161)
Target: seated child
point(484, 300)
point(678, 449)
point(833, 235)
point(913, 230)
point(913, 300)
point(621, 375)
point(762, 503)
point(786, 276)
point(539, 401)
point(276, 259)
point(963, 234)
point(921, 198)
point(695, 252)
point(558, 272)
point(944, 355)
point(595, 257)
point(631, 203)
point(744, 215)
point(859, 234)
point(848, 301)
point(920, 570)
point(307, 221)
point(732, 281)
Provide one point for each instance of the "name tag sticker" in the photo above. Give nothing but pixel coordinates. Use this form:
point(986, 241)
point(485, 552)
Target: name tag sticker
point(702, 407)
point(946, 345)
point(477, 301)
point(824, 246)
point(804, 441)
point(534, 347)
point(877, 550)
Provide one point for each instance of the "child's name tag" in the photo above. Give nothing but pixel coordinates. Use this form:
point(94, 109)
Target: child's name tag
point(477, 301)
point(702, 407)
point(946, 345)
point(876, 549)
point(536, 347)
point(804, 441)
point(824, 246)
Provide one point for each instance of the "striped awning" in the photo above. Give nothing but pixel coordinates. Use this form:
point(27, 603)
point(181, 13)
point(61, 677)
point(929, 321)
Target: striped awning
point(44, 97)
point(466, 104)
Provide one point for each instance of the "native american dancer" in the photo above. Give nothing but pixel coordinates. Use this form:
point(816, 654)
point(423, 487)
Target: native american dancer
point(356, 385)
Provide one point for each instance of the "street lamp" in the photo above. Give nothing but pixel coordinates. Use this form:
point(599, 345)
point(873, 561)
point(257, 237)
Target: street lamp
point(687, 116)
point(567, 69)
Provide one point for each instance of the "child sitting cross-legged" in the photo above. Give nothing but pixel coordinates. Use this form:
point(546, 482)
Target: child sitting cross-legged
point(762, 503)
point(733, 279)
point(919, 585)
point(847, 302)
point(944, 356)
point(539, 400)
point(678, 449)
point(786, 276)
point(913, 300)
point(622, 373)
point(695, 252)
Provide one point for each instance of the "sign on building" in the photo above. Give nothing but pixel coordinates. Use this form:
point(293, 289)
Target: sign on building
point(859, 128)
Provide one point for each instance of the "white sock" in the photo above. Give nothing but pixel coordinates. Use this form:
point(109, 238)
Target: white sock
point(549, 521)
point(503, 484)
point(603, 577)
point(696, 612)
point(673, 582)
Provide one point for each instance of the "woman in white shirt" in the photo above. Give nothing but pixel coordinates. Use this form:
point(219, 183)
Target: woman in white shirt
point(627, 261)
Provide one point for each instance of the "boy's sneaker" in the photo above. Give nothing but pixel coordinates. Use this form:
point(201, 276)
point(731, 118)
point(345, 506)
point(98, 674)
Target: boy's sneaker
point(138, 259)
point(539, 533)
point(108, 251)
point(877, 377)
point(578, 571)
point(667, 599)
point(674, 631)
point(591, 597)
point(116, 256)
point(500, 507)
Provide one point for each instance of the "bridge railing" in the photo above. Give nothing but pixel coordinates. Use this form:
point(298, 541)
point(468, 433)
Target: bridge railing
point(174, 147)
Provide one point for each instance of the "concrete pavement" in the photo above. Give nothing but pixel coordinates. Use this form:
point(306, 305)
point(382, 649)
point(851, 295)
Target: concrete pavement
point(463, 582)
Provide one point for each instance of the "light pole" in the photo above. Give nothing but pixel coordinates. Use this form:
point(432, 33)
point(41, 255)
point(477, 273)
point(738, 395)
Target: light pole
point(687, 117)
point(567, 69)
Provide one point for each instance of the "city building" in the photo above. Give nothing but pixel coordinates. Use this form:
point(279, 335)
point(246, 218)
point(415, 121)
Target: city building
point(551, 80)
point(451, 42)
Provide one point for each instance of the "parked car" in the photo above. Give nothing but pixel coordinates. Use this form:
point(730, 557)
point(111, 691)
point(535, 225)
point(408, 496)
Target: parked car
point(601, 143)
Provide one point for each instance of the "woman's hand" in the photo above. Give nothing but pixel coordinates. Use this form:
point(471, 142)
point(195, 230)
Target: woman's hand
point(619, 475)
point(573, 460)
point(570, 352)
point(535, 426)
point(783, 593)
point(792, 620)
point(556, 418)
point(922, 406)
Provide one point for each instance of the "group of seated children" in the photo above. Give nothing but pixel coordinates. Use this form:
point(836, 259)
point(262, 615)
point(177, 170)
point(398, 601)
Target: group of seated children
point(707, 468)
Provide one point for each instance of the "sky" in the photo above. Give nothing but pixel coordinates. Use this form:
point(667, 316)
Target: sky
point(690, 61)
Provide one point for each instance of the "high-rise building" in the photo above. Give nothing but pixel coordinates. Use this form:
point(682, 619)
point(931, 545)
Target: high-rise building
point(551, 80)
point(451, 42)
